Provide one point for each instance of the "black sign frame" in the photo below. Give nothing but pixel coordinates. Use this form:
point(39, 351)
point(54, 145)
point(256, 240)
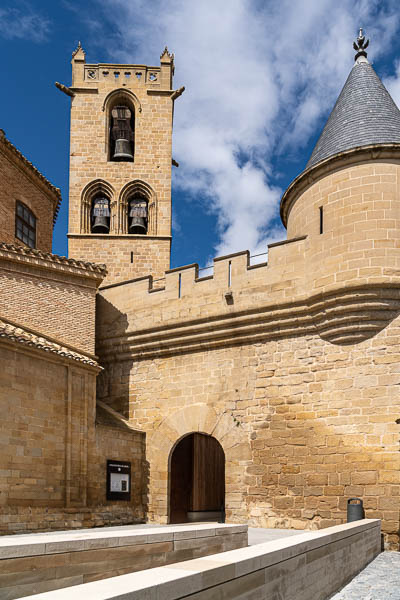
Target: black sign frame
point(123, 468)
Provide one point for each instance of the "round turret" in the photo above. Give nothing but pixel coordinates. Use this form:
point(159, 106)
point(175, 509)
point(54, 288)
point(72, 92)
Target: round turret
point(347, 202)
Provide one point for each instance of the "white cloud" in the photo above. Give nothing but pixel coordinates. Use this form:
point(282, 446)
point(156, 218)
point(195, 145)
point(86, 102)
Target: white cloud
point(393, 84)
point(258, 77)
point(23, 23)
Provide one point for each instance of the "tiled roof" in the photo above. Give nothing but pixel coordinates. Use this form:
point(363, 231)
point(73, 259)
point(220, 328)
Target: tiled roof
point(364, 114)
point(20, 335)
point(54, 190)
point(55, 258)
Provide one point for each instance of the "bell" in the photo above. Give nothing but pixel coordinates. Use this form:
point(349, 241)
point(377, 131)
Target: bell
point(100, 225)
point(122, 150)
point(101, 215)
point(138, 225)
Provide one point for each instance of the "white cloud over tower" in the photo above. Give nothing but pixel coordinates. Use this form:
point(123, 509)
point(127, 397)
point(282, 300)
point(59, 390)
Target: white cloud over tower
point(259, 76)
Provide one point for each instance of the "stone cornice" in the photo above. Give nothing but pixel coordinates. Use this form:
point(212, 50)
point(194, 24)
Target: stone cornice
point(46, 260)
point(14, 155)
point(343, 316)
point(323, 168)
point(122, 236)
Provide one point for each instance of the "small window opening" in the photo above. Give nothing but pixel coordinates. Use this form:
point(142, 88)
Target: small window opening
point(137, 216)
point(116, 74)
point(180, 285)
point(229, 273)
point(100, 215)
point(127, 74)
point(138, 75)
point(25, 225)
point(122, 134)
point(131, 257)
point(321, 219)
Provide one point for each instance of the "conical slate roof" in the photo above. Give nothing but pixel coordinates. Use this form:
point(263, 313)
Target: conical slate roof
point(364, 114)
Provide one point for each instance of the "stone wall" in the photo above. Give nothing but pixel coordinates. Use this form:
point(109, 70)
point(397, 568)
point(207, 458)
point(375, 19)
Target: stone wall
point(361, 221)
point(295, 376)
point(126, 257)
point(44, 430)
point(20, 181)
point(52, 456)
point(115, 440)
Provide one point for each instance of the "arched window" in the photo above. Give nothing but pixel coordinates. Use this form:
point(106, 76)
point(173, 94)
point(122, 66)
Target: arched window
point(137, 209)
point(94, 212)
point(100, 214)
point(137, 215)
point(25, 225)
point(122, 128)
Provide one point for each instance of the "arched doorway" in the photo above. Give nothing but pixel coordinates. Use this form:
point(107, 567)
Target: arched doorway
point(197, 479)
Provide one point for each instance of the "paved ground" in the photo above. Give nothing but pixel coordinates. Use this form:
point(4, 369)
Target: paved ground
point(379, 581)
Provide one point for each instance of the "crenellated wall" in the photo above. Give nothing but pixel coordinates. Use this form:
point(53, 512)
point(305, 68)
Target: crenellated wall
point(182, 299)
point(297, 382)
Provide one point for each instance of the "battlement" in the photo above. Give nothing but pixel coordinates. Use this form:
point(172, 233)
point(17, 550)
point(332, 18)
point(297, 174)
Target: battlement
point(235, 288)
point(230, 272)
point(242, 303)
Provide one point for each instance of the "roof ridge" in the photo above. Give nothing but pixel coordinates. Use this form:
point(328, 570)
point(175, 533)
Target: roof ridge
point(34, 252)
point(55, 190)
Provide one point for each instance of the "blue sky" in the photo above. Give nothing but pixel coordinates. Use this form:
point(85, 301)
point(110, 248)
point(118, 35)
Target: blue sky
point(260, 81)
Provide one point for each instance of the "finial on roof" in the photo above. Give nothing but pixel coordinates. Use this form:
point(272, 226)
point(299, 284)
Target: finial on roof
point(360, 45)
point(166, 54)
point(78, 49)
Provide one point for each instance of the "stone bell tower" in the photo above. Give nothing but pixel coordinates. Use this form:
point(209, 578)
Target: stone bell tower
point(120, 165)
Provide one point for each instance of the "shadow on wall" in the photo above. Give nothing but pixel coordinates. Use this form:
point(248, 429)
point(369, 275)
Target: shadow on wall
point(113, 381)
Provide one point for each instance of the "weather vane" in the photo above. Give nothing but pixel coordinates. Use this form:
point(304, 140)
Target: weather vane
point(360, 45)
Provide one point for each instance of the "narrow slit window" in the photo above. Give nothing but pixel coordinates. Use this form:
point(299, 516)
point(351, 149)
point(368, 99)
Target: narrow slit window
point(180, 286)
point(321, 219)
point(229, 273)
point(131, 257)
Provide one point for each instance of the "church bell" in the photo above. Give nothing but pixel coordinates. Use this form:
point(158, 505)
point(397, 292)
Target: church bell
point(122, 150)
point(101, 216)
point(122, 133)
point(138, 217)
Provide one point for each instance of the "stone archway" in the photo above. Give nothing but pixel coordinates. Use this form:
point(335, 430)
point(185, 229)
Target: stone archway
point(203, 419)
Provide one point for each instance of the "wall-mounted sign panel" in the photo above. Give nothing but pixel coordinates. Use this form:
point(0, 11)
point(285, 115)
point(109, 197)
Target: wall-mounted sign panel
point(118, 480)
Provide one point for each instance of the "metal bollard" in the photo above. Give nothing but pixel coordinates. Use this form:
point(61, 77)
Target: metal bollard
point(355, 512)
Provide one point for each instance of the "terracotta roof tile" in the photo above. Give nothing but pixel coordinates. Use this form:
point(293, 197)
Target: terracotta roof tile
point(33, 252)
point(20, 335)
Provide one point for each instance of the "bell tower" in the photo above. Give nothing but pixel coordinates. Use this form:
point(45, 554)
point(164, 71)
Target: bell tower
point(120, 165)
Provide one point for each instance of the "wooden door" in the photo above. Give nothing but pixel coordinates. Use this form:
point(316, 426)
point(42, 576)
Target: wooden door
point(197, 476)
point(208, 473)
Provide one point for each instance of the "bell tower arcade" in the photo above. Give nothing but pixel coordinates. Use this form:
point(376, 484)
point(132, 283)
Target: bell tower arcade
point(120, 165)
